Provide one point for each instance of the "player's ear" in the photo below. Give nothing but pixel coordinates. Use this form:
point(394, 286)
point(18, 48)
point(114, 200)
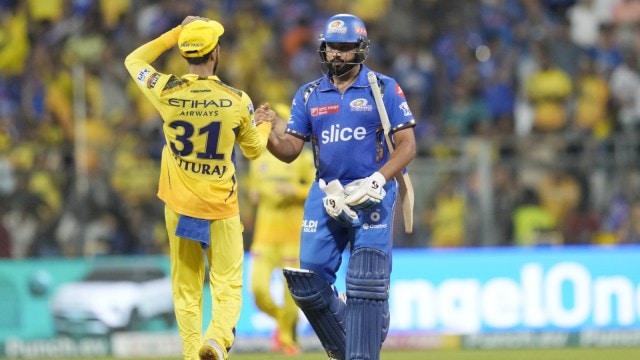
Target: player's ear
point(213, 55)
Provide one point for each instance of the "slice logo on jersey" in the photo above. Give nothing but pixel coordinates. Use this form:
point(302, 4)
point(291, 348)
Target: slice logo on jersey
point(325, 110)
point(337, 134)
point(360, 105)
point(142, 76)
point(405, 109)
point(337, 27)
point(153, 79)
point(399, 91)
point(309, 226)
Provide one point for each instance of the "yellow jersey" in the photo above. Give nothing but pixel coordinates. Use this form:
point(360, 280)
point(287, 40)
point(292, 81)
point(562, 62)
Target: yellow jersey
point(281, 189)
point(203, 118)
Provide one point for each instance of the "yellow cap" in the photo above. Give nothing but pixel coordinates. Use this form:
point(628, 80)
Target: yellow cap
point(199, 37)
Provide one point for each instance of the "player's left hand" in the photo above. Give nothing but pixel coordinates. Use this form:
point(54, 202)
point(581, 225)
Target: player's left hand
point(364, 194)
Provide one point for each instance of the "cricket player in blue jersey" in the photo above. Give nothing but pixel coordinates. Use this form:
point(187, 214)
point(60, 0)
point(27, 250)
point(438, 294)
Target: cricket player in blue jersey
point(353, 199)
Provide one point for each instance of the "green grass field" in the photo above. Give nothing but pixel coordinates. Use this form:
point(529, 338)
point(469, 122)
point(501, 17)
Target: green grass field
point(520, 354)
point(524, 354)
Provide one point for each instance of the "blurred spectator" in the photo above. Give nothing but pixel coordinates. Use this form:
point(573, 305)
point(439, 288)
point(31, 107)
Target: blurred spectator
point(499, 96)
point(414, 68)
point(563, 51)
point(14, 51)
point(584, 20)
point(113, 11)
point(445, 215)
point(466, 114)
point(5, 238)
point(629, 232)
point(507, 195)
point(582, 224)
point(7, 177)
point(625, 92)
point(614, 220)
point(592, 115)
point(605, 52)
point(23, 220)
point(559, 193)
point(532, 223)
point(548, 90)
point(296, 38)
point(625, 14)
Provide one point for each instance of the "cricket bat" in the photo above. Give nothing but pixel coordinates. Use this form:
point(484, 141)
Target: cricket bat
point(403, 179)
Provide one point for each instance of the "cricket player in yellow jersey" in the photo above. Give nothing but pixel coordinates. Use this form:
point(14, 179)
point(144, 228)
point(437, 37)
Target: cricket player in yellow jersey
point(279, 189)
point(202, 120)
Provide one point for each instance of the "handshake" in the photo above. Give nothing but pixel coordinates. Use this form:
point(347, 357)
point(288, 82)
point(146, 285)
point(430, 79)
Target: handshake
point(362, 194)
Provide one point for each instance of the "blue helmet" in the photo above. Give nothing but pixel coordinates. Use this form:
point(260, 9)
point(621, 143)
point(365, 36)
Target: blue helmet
point(345, 28)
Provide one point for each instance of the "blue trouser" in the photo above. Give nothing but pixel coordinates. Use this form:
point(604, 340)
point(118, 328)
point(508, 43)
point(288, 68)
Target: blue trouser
point(323, 241)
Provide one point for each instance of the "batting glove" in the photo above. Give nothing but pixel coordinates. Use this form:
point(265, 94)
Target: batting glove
point(364, 194)
point(334, 203)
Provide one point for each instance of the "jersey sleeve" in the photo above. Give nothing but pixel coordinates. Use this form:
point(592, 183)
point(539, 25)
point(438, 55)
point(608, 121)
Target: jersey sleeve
point(252, 139)
point(400, 116)
point(299, 125)
point(145, 76)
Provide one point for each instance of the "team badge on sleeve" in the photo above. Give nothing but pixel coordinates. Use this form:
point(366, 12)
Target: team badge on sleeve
point(405, 109)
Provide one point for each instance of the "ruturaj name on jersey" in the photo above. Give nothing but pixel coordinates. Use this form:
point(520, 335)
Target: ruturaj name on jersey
point(204, 169)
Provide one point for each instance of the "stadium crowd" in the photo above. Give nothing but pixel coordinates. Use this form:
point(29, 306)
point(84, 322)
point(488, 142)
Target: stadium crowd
point(552, 86)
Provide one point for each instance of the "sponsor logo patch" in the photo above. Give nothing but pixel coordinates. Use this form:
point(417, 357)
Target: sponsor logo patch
point(366, 226)
point(324, 110)
point(399, 91)
point(152, 80)
point(142, 76)
point(374, 218)
point(309, 226)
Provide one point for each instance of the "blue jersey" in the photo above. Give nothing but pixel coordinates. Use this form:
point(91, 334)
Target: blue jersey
point(347, 125)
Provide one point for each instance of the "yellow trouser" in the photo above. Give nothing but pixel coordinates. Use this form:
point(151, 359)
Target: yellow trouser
point(265, 259)
point(225, 256)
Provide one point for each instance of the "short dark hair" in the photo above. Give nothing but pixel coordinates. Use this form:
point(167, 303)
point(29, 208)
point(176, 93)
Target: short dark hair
point(200, 59)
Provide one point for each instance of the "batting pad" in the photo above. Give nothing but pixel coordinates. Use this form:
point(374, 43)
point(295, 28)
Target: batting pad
point(367, 319)
point(323, 309)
